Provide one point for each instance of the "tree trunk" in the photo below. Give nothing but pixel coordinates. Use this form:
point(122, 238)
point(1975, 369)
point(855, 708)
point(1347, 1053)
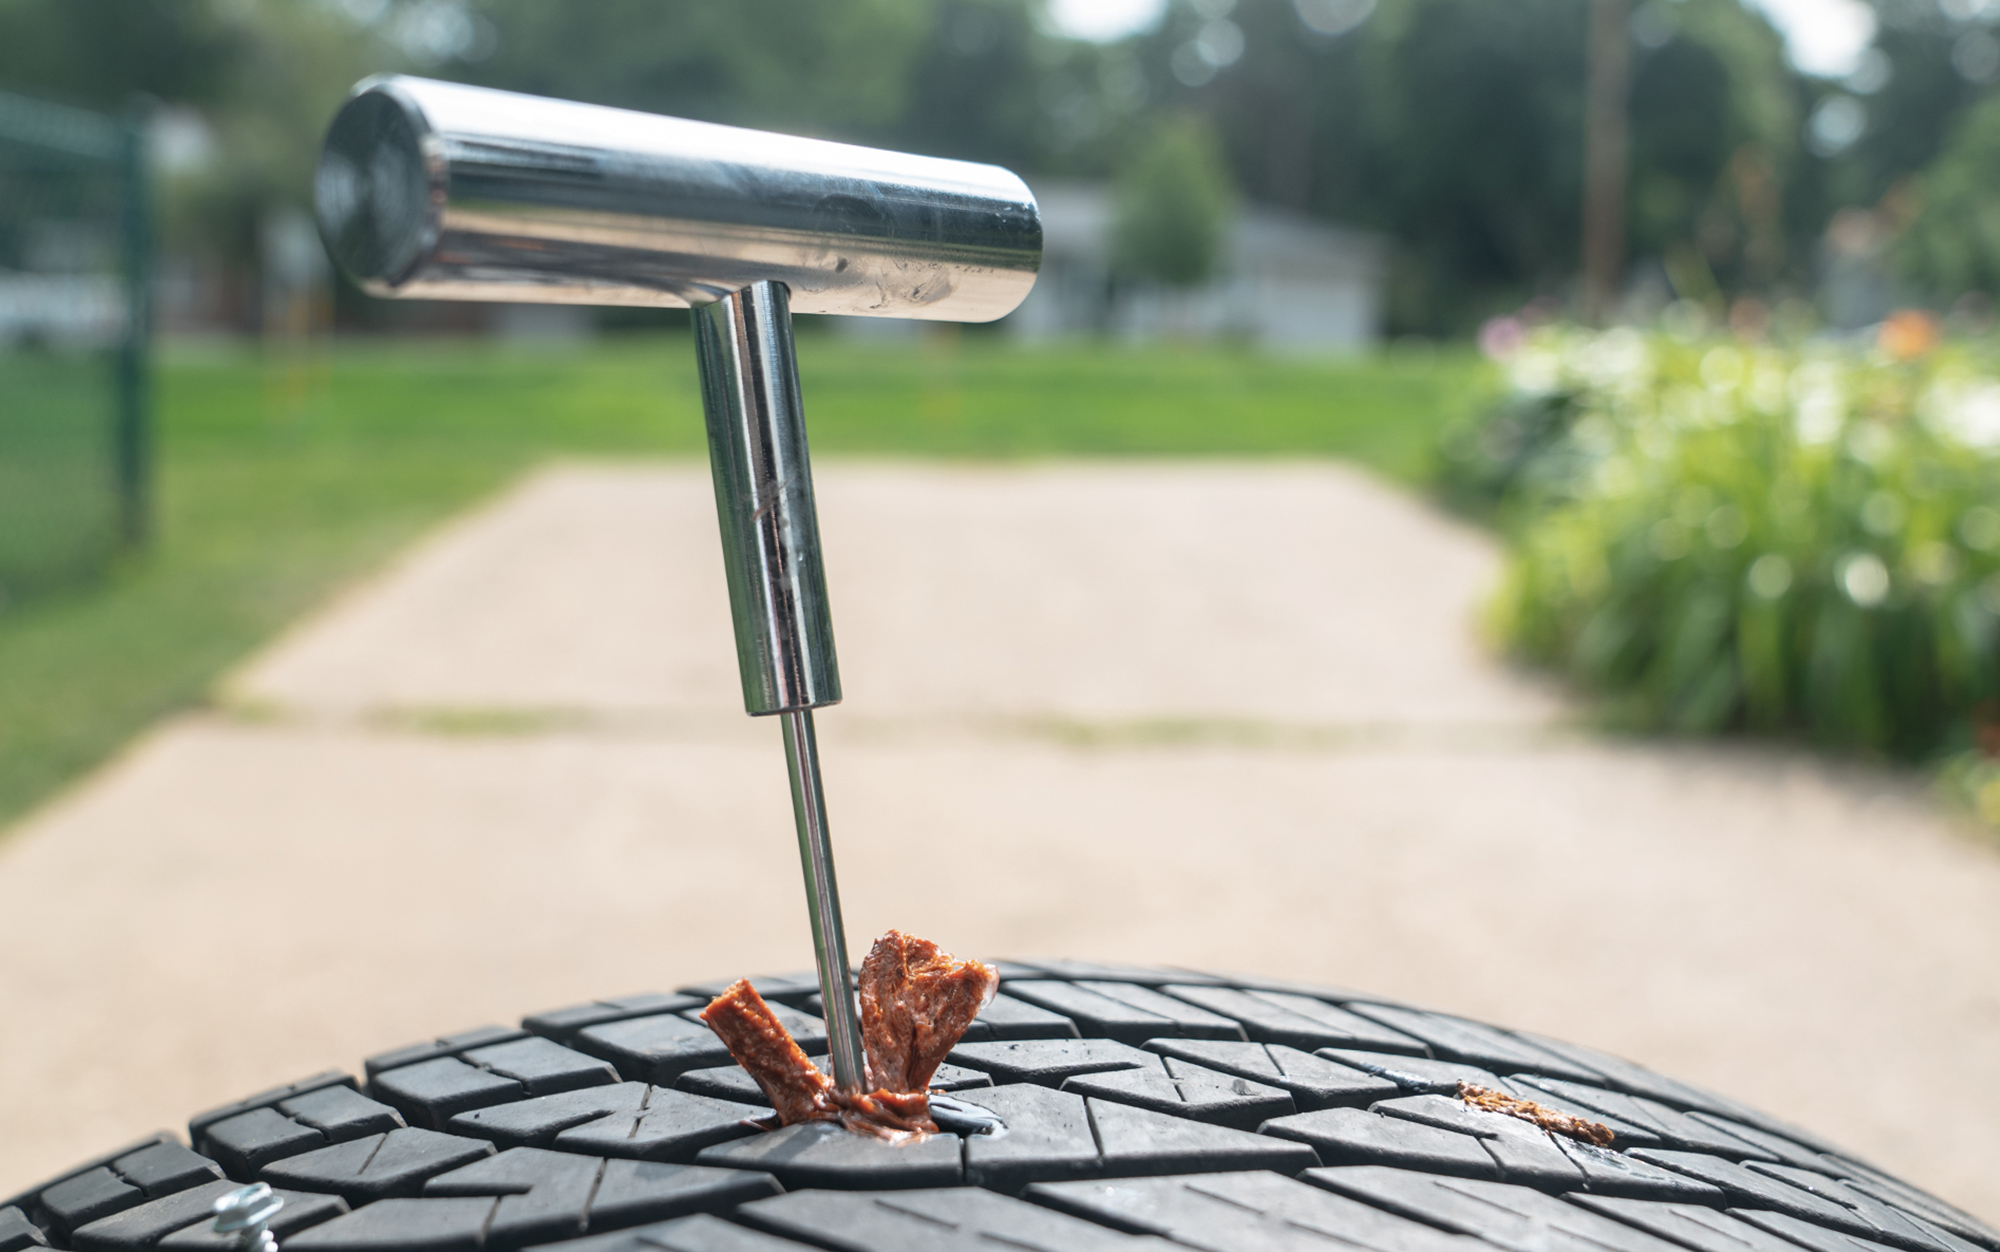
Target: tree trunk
point(1605, 158)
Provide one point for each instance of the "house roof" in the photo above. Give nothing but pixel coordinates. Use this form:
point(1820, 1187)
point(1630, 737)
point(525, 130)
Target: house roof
point(1077, 219)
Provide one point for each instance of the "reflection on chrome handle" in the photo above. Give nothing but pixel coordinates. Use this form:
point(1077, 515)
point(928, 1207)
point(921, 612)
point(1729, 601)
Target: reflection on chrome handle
point(444, 191)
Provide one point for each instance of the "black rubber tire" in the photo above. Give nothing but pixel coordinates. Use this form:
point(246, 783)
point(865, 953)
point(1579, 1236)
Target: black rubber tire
point(1143, 1108)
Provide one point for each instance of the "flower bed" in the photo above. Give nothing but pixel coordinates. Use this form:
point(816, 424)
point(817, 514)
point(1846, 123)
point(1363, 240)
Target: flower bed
point(1715, 535)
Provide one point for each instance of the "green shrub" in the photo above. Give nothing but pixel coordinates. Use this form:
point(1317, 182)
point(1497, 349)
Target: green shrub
point(1727, 536)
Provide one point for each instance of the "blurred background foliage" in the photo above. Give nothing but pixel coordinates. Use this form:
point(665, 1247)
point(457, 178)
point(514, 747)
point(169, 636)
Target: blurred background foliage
point(1759, 513)
point(1174, 199)
point(1452, 126)
point(1795, 538)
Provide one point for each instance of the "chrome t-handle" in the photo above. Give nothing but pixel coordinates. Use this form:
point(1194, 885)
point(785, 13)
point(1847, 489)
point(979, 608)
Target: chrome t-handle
point(441, 191)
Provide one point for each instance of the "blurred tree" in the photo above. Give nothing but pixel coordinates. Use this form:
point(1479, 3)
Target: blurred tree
point(833, 67)
point(264, 76)
point(1715, 117)
point(1954, 244)
point(1173, 204)
point(102, 53)
point(1896, 149)
point(1893, 115)
point(1456, 127)
point(972, 84)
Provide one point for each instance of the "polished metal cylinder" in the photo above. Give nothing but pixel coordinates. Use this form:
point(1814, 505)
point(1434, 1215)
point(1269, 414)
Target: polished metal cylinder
point(764, 502)
point(443, 191)
point(829, 933)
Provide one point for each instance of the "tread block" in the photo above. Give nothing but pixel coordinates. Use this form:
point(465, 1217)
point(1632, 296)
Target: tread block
point(826, 1154)
point(1776, 1147)
point(543, 1066)
point(1627, 1076)
point(1093, 971)
point(17, 1232)
point(1008, 1018)
point(649, 1191)
point(301, 1213)
point(88, 1197)
point(660, 1048)
point(1314, 1082)
point(1626, 1134)
point(1891, 1225)
point(1194, 1022)
point(341, 1113)
point(448, 1045)
point(396, 1163)
point(151, 1170)
point(1690, 1225)
point(1059, 1136)
point(1606, 1172)
point(165, 1168)
point(1415, 1075)
point(1671, 1127)
point(1317, 990)
point(151, 1223)
point(1191, 1091)
point(430, 1093)
point(920, 1221)
point(1901, 1195)
point(1807, 1234)
point(1246, 1212)
point(25, 1201)
point(1297, 1021)
point(1048, 1139)
point(1744, 1186)
point(1637, 1080)
point(247, 1142)
point(1531, 1156)
point(632, 1120)
point(703, 1232)
point(1525, 1153)
point(1359, 1137)
point(1051, 1062)
point(265, 1099)
point(401, 1224)
point(790, 990)
point(546, 1195)
point(1136, 1142)
point(561, 1024)
point(1456, 1038)
point(1516, 1218)
point(1126, 1011)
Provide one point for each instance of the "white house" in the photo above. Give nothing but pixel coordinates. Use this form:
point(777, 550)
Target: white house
point(1285, 281)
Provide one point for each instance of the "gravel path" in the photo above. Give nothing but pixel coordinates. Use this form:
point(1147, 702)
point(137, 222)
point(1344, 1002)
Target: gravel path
point(1224, 716)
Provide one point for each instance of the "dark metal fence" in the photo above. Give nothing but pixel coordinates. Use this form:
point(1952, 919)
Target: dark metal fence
point(75, 252)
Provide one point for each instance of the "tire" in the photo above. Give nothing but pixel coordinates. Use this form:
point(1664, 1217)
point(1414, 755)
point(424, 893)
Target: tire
point(1142, 1109)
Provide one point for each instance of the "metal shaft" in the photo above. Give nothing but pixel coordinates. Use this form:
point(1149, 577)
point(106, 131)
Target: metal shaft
point(777, 590)
point(764, 501)
point(836, 983)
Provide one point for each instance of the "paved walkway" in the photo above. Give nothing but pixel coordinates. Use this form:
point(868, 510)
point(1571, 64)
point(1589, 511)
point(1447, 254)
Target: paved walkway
point(1222, 716)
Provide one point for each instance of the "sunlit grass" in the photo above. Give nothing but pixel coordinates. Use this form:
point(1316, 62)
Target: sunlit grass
point(283, 477)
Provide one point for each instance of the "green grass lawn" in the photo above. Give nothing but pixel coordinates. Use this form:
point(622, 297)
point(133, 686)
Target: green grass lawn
point(280, 480)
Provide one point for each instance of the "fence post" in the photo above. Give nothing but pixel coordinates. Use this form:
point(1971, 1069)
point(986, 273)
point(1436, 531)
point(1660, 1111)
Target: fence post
point(134, 427)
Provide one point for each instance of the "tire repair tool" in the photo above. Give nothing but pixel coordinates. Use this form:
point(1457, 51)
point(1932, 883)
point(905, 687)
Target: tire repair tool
point(432, 190)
